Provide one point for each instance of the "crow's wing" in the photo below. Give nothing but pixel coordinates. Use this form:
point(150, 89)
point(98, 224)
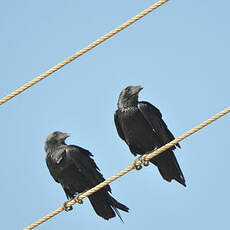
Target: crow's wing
point(82, 160)
point(154, 117)
point(118, 126)
point(71, 155)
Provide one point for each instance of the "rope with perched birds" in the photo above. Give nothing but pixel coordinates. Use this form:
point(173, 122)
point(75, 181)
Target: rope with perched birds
point(143, 159)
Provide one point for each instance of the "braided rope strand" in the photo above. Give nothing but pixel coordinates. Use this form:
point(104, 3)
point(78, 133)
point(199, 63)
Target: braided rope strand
point(82, 51)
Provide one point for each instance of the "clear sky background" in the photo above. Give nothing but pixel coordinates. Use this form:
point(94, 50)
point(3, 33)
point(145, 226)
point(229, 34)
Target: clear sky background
point(179, 53)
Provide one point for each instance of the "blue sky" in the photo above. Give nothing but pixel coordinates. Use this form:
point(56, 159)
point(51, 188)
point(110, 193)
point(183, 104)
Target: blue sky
point(179, 53)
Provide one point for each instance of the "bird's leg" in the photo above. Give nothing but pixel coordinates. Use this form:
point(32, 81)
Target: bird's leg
point(144, 161)
point(141, 160)
point(66, 207)
point(78, 199)
point(137, 163)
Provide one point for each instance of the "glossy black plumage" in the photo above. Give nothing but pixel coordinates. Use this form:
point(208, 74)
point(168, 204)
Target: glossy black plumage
point(73, 167)
point(141, 126)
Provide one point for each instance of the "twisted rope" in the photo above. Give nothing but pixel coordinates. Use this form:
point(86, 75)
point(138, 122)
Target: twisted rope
point(82, 51)
point(131, 167)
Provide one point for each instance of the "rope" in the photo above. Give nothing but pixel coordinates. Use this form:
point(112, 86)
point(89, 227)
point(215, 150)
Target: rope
point(131, 167)
point(82, 51)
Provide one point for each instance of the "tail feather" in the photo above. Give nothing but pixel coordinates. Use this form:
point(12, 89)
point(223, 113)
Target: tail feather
point(116, 205)
point(169, 167)
point(105, 205)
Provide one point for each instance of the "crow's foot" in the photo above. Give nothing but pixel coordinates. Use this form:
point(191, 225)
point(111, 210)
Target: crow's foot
point(78, 199)
point(144, 161)
point(137, 163)
point(66, 207)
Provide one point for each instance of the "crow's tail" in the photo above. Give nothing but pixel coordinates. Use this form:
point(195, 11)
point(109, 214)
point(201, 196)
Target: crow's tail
point(169, 167)
point(105, 205)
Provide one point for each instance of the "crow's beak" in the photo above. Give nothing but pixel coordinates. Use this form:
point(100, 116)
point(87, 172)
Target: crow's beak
point(138, 88)
point(65, 135)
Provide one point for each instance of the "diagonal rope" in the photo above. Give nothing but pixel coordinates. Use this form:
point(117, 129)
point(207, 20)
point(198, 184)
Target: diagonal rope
point(131, 167)
point(82, 51)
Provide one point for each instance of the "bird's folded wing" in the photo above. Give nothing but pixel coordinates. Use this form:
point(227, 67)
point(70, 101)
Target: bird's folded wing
point(153, 116)
point(82, 160)
point(118, 126)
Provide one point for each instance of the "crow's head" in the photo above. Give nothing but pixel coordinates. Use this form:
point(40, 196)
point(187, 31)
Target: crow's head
point(55, 139)
point(129, 96)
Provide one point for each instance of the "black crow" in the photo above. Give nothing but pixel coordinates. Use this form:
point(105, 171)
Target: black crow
point(73, 167)
point(141, 126)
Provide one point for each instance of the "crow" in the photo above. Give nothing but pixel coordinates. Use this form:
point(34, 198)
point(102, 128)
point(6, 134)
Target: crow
point(73, 167)
point(141, 126)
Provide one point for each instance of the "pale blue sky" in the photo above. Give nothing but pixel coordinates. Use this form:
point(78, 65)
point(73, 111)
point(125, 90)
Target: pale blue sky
point(180, 54)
